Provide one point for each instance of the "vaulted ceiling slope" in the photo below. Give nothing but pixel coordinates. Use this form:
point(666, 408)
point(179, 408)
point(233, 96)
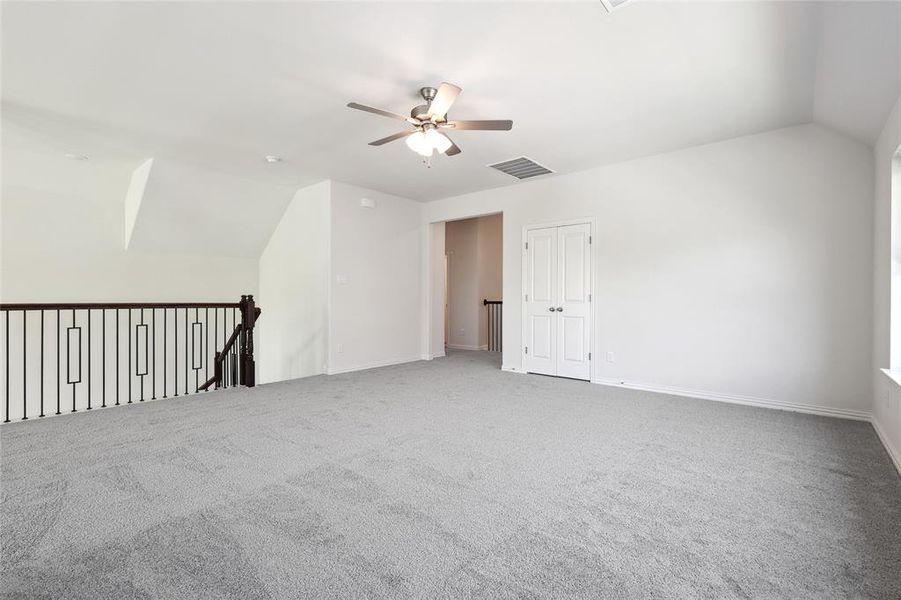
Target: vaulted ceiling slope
point(220, 84)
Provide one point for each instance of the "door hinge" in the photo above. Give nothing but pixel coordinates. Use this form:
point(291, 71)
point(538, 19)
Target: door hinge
point(589, 356)
point(527, 349)
point(589, 297)
point(527, 245)
point(589, 239)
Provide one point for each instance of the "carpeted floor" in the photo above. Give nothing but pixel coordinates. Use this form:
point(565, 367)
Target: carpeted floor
point(446, 479)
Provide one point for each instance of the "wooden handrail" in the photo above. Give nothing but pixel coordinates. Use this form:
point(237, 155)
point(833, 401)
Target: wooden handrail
point(114, 305)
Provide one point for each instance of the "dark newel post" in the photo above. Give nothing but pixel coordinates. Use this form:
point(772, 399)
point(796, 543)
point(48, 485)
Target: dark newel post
point(248, 319)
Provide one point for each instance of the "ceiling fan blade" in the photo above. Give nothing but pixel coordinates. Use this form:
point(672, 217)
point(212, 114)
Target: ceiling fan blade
point(391, 138)
point(453, 150)
point(481, 125)
point(377, 111)
point(447, 93)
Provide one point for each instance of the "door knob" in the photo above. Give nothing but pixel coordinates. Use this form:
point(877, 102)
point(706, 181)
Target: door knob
point(552, 309)
point(559, 309)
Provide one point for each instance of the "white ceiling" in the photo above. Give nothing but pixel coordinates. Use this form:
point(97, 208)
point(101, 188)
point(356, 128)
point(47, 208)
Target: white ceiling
point(858, 71)
point(220, 84)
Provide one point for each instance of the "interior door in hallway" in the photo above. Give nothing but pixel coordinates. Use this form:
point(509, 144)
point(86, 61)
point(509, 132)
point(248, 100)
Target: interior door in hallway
point(557, 301)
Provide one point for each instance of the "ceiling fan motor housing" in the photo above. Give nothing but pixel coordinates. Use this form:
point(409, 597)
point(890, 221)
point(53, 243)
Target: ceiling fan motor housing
point(420, 112)
point(428, 93)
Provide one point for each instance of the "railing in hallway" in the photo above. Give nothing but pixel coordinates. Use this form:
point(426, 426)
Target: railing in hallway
point(68, 357)
point(495, 324)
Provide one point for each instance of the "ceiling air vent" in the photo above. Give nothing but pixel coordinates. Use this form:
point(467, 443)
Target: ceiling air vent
point(521, 168)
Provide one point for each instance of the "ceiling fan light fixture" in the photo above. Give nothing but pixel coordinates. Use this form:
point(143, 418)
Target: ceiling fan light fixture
point(420, 144)
point(437, 140)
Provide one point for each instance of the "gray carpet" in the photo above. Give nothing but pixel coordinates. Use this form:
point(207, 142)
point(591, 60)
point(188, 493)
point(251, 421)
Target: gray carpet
point(448, 479)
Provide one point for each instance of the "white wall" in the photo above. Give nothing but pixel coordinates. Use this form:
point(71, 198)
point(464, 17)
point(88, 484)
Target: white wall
point(887, 254)
point(739, 270)
point(462, 249)
point(376, 280)
point(294, 290)
point(491, 267)
point(433, 320)
point(63, 230)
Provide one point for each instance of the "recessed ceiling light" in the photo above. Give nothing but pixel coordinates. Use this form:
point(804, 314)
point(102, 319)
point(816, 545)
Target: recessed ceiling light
point(73, 156)
point(273, 159)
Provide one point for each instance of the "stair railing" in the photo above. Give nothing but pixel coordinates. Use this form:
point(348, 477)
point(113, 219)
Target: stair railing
point(70, 357)
point(234, 363)
point(495, 324)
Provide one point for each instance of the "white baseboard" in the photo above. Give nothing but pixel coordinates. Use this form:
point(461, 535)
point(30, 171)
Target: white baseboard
point(842, 413)
point(373, 365)
point(893, 452)
point(465, 347)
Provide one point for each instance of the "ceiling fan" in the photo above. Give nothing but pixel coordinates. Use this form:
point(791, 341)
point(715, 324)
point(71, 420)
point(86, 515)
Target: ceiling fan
point(429, 122)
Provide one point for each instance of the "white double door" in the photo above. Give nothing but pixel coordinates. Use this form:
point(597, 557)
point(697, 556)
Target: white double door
point(558, 301)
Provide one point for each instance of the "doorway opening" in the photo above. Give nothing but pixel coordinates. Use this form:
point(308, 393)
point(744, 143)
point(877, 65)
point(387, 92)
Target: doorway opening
point(467, 285)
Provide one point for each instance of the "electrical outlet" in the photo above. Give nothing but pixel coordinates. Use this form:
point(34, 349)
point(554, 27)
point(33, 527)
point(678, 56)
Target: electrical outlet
point(610, 357)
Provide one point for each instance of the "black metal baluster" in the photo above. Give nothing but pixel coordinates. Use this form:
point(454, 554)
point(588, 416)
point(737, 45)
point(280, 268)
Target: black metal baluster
point(6, 419)
point(145, 355)
point(103, 358)
point(225, 339)
point(206, 345)
point(186, 351)
point(117, 357)
point(175, 346)
point(129, 356)
point(59, 386)
point(42, 364)
point(89, 359)
point(165, 335)
point(24, 367)
point(193, 361)
point(153, 381)
point(69, 361)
